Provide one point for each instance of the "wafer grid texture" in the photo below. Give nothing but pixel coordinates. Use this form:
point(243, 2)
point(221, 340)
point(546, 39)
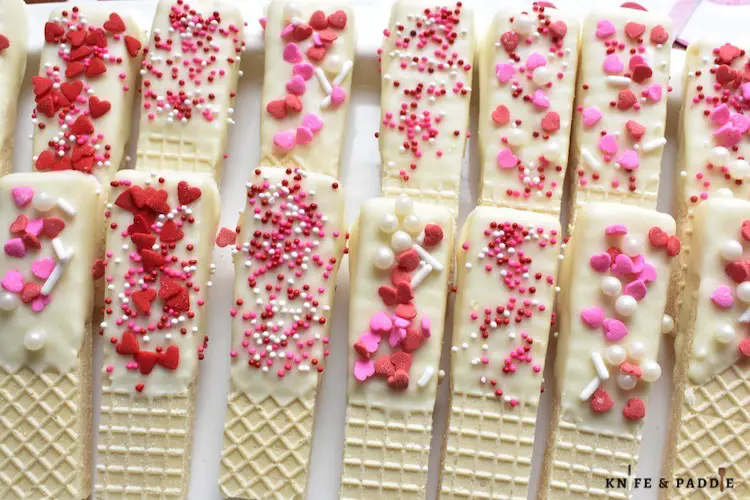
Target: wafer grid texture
point(482, 434)
point(385, 453)
point(163, 152)
point(144, 446)
point(720, 406)
point(266, 447)
point(438, 190)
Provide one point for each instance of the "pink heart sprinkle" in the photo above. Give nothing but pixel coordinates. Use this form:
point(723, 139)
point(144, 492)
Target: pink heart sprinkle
point(43, 267)
point(535, 60)
point(638, 263)
point(312, 121)
point(593, 317)
point(381, 323)
point(745, 90)
point(396, 336)
point(426, 327)
point(363, 369)
point(719, 115)
point(305, 70)
point(504, 72)
point(614, 329)
point(338, 96)
point(623, 265)
point(288, 30)
point(35, 226)
point(370, 342)
point(648, 273)
point(540, 99)
point(629, 160)
point(604, 28)
point(722, 297)
point(292, 53)
point(317, 41)
point(22, 195)
point(636, 60)
point(613, 65)
point(15, 248)
point(600, 262)
point(608, 144)
point(653, 92)
point(304, 135)
point(636, 289)
point(13, 282)
point(728, 135)
point(39, 303)
point(591, 116)
point(296, 85)
point(284, 140)
point(399, 322)
point(616, 230)
point(506, 159)
point(740, 122)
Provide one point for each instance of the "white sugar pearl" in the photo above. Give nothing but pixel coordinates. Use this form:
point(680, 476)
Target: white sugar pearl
point(743, 291)
point(701, 352)
point(615, 355)
point(724, 193)
point(636, 350)
point(517, 137)
point(383, 258)
point(650, 371)
point(413, 224)
point(541, 76)
point(400, 241)
point(739, 169)
point(43, 202)
point(389, 223)
point(34, 340)
point(626, 382)
point(332, 64)
point(611, 286)
point(667, 324)
point(731, 250)
point(404, 205)
point(724, 334)
point(8, 302)
point(524, 24)
point(719, 156)
point(552, 151)
point(632, 245)
point(625, 305)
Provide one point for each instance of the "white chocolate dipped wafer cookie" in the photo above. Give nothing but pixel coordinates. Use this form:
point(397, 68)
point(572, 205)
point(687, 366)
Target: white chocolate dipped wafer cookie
point(400, 260)
point(527, 76)
point(85, 89)
point(287, 252)
point(621, 104)
point(189, 81)
point(426, 64)
point(13, 46)
point(613, 292)
point(310, 50)
point(710, 427)
point(160, 232)
point(507, 269)
point(46, 300)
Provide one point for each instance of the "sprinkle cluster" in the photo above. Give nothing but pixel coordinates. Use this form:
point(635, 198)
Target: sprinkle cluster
point(159, 293)
point(64, 97)
point(290, 272)
point(505, 254)
point(188, 56)
point(424, 45)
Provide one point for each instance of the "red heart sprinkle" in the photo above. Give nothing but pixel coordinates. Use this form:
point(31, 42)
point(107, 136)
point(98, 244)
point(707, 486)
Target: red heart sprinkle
point(631, 369)
point(71, 90)
point(634, 6)
point(433, 234)
point(600, 401)
point(4, 42)
point(659, 34)
point(98, 107)
point(738, 271)
point(413, 341)
point(657, 237)
point(673, 246)
point(19, 225)
point(362, 351)
point(509, 40)
point(97, 38)
point(558, 29)
point(146, 361)
point(277, 109)
point(169, 288)
point(744, 347)
point(46, 106)
point(82, 126)
point(31, 241)
point(132, 45)
point(180, 302)
point(170, 232)
point(337, 20)
point(408, 260)
point(302, 32)
point(401, 361)
point(634, 30)
point(404, 293)
point(745, 231)
point(142, 299)
point(293, 103)
point(46, 160)
point(29, 292)
point(52, 226)
point(626, 99)
point(186, 193)
point(74, 69)
point(551, 122)
point(151, 260)
point(384, 367)
point(53, 32)
point(115, 24)
point(399, 381)
point(170, 359)
point(635, 129)
point(128, 344)
point(388, 295)
point(398, 275)
point(139, 225)
point(318, 20)
point(143, 241)
point(728, 53)
point(725, 75)
point(634, 409)
point(641, 73)
point(406, 311)
point(501, 115)
point(41, 85)
point(125, 201)
point(79, 53)
point(96, 67)
point(316, 53)
point(226, 237)
point(328, 36)
point(157, 201)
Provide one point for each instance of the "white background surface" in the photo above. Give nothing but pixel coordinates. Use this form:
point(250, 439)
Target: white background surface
point(361, 180)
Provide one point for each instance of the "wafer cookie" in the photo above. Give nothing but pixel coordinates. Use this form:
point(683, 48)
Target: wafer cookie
point(527, 76)
point(426, 64)
point(292, 231)
point(46, 300)
point(613, 292)
point(710, 428)
point(160, 232)
point(84, 90)
point(507, 271)
point(189, 81)
point(308, 77)
point(13, 35)
point(621, 104)
point(401, 256)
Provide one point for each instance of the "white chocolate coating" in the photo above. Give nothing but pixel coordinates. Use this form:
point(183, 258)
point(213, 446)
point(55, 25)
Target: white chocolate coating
point(12, 68)
point(121, 252)
point(628, 160)
point(311, 271)
point(116, 86)
point(508, 82)
point(580, 290)
point(322, 154)
point(436, 127)
point(51, 338)
point(191, 134)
